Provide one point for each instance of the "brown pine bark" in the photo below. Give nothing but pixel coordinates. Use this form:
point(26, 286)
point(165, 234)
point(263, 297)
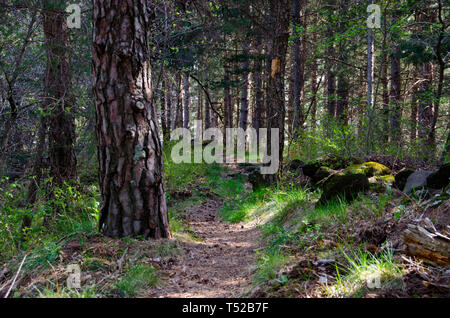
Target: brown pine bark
point(129, 148)
point(275, 104)
point(59, 100)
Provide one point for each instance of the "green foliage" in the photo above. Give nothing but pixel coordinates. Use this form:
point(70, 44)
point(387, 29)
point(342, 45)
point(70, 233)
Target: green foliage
point(69, 210)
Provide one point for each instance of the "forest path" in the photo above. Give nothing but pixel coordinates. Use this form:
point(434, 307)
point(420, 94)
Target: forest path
point(218, 265)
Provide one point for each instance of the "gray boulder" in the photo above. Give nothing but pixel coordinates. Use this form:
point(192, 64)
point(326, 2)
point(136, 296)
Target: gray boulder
point(416, 180)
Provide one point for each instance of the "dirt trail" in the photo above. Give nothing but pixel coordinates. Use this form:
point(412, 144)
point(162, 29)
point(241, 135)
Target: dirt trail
point(219, 265)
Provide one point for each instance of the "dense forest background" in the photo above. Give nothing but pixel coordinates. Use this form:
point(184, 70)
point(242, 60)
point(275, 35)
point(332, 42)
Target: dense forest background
point(316, 70)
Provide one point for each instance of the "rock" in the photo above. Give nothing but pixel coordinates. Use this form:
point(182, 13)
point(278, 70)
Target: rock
point(401, 177)
point(332, 161)
point(339, 162)
point(294, 165)
point(440, 178)
point(321, 173)
point(257, 180)
point(344, 185)
point(311, 168)
point(416, 180)
point(369, 169)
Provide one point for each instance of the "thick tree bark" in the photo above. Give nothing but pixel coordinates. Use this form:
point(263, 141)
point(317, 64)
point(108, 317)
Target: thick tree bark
point(276, 112)
point(129, 148)
point(59, 99)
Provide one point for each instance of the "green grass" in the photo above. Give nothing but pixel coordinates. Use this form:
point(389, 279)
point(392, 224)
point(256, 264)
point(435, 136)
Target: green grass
point(364, 271)
point(137, 279)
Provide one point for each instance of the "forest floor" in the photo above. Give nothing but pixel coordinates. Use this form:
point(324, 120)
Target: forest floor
point(230, 241)
point(219, 264)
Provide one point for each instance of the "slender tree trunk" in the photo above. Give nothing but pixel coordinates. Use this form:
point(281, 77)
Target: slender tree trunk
point(163, 109)
point(35, 182)
point(413, 115)
point(59, 99)
point(129, 148)
point(243, 118)
point(298, 68)
point(187, 96)
point(258, 84)
point(370, 94)
point(179, 106)
point(395, 99)
point(425, 106)
point(168, 93)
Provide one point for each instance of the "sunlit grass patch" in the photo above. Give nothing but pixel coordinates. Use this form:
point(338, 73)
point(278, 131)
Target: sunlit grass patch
point(268, 266)
point(137, 279)
point(364, 271)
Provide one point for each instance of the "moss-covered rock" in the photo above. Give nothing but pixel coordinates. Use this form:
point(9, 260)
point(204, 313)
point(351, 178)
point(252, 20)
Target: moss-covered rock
point(369, 169)
point(401, 177)
point(345, 186)
point(440, 178)
point(294, 165)
point(388, 179)
point(331, 161)
point(311, 168)
point(321, 174)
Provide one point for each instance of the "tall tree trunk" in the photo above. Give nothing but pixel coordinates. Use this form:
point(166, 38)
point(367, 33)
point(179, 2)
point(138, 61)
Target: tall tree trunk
point(243, 118)
point(276, 112)
point(425, 107)
point(59, 99)
point(342, 77)
point(38, 164)
point(187, 96)
point(179, 106)
point(129, 148)
point(413, 115)
point(162, 95)
point(168, 93)
point(258, 85)
point(385, 99)
point(298, 68)
point(396, 111)
point(331, 81)
point(370, 93)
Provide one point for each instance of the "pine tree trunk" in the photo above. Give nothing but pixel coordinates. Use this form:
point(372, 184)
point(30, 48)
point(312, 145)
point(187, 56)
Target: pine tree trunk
point(396, 111)
point(129, 148)
point(298, 66)
point(187, 96)
point(59, 100)
point(276, 112)
point(243, 118)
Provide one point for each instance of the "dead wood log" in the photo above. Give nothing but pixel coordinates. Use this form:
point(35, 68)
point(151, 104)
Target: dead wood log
point(426, 243)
